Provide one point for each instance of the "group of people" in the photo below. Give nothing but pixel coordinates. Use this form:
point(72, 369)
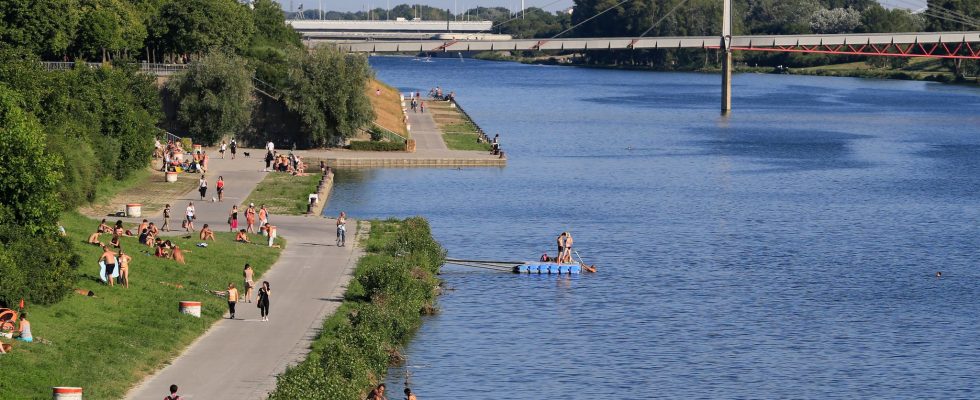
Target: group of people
point(262, 296)
point(436, 93)
point(278, 162)
point(223, 147)
point(378, 393)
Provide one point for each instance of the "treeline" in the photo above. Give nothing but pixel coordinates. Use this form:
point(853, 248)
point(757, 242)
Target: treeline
point(68, 135)
point(532, 23)
point(703, 18)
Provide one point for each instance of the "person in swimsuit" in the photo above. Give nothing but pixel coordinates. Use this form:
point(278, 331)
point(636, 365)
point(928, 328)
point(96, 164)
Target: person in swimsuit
point(109, 258)
point(567, 257)
point(561, 246)
point(250, 217)
point(264, 293)
point(177, 255)
point(409, 395)
point(242, 237)
point(207, 233)
point(220, 187)
point(124, 260)
point(24, 331)
point(249, 283)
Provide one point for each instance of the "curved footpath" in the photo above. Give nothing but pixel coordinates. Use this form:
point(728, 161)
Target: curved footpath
point(239, 359)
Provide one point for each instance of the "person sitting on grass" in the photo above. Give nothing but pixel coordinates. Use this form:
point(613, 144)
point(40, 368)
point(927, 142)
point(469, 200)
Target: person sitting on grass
point(94, 238)
point(143, 225)
point(154, 231)
point(177, 255)
point(115, 241)
point(242, 237)
point(162, 248)
point(144, 235)
point(104, 228)
point(24, 331)
point(207, 233)
point(4, 348)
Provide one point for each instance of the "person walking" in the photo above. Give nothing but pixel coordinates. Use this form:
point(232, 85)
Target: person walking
point(248, 273)
point(268, 160)
point(234, 148)
point(250, 217)
point(189, 214)
point(264, 293)
point(221, 149)
point(166, 218)
point(202, 186)
point(233, 219)
point(272, 232)
point(342, 229)
point(220, 187)
point(232, 300)
point(263, 216)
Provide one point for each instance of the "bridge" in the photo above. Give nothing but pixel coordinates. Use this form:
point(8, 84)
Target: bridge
point(950, 45)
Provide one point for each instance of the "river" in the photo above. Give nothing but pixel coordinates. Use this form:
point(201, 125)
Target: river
point(787, 251)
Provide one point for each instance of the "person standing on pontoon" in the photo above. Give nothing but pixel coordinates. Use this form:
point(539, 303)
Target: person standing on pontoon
point(561, 246)
point(567, 256)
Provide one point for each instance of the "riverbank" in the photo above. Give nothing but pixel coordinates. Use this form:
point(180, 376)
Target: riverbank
point(110, 341)
point(459, 131)
point(920, 68)
point(394, 285)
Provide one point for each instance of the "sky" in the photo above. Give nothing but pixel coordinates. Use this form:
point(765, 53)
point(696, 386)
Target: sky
point(462, 5)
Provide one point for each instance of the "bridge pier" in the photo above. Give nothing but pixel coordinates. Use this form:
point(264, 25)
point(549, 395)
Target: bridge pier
point(726, 83)
point(726, 62)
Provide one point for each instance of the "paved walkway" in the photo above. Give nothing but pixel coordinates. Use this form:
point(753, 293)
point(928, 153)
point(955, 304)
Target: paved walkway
point(239, 359)
point(426, 133)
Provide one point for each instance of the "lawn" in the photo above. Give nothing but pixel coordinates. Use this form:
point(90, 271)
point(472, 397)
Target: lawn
point(283, 193)
point(147, 187)
point(110, 342)
point(458, 131)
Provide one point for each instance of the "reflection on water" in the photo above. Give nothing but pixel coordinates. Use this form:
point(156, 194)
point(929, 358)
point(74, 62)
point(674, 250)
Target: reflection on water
point(786, 251)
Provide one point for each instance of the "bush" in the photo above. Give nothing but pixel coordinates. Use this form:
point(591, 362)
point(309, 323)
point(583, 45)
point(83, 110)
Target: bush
point(376, 146)
point(392, 287)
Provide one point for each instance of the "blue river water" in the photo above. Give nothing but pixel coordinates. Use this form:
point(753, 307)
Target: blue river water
point(786, 251)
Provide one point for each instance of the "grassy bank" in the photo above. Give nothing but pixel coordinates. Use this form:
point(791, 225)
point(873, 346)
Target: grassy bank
point(283, 193)
point(109, 342)
point(147, 187)
point(394, 285)
point(387, 107)
point(458, 131)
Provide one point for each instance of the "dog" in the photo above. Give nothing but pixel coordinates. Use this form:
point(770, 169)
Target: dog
point(246, 154)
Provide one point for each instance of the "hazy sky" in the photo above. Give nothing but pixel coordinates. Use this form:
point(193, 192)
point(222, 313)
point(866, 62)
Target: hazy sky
point(461, 5)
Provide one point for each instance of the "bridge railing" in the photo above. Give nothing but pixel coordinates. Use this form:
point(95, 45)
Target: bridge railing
point(388, 134)
point(143, 66)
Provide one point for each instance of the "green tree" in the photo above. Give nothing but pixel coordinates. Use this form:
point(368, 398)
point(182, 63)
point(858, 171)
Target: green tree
point(214, 96)
point(28, 173)
point(198, 26)
point(270, 26)
point(326, 91)
point(107, 27)
point(43, 27)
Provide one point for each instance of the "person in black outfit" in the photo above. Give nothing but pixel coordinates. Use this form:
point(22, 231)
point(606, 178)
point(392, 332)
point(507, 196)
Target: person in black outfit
point(263, 303)
point(268, 160)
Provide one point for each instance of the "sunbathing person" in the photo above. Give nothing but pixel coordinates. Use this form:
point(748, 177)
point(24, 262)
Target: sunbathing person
point(242, 237)
point(143, 225)
point(103, 228)
point(207, 233)
point(115, 241)
point(177, 255)
point(153, 230)
point(94, 238)
point(161, 249)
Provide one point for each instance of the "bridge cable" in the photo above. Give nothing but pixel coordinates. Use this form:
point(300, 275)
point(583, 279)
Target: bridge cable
point(589, 19)
point(663, 18)
point(943, 13)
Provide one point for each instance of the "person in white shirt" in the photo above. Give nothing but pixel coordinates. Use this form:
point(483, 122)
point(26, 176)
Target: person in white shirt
point(269, 146)
point(190, 217)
